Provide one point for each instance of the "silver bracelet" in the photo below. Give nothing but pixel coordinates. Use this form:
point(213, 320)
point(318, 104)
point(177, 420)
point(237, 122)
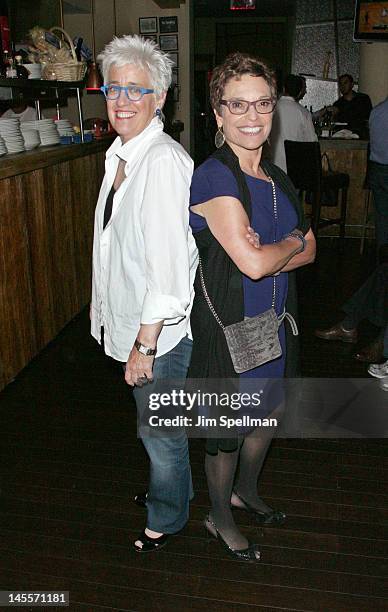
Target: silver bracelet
point(300, 237)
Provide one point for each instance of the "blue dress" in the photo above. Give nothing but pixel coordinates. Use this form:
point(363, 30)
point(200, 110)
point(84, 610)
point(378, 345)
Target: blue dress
point(213, 179)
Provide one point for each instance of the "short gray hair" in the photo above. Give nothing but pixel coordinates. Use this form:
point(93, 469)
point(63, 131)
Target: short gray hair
point(142, 53)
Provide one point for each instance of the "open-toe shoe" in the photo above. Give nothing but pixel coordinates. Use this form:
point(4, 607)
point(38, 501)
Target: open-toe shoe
point(150, 544)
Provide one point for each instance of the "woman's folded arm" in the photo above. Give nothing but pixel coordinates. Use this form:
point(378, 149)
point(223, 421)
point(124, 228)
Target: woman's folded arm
point(228, 222)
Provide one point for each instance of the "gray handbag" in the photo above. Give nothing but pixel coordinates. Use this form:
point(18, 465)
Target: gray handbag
point(253, 341)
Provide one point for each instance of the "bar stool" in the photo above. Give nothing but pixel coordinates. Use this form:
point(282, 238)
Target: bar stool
point(304, 167)
point(366, 226)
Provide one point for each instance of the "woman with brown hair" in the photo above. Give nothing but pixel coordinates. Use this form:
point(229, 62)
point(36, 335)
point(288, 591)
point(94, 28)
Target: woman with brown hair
point(231, 190)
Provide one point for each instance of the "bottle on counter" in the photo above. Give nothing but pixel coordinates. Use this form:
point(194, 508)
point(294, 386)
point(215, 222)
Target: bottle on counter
point(317, 127)
point(11, 72)
point(22, 72)
point(4, 64)
point(325, 125)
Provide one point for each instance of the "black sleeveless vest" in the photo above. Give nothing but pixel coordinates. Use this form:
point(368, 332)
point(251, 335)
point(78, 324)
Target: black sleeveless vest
point(210, 357)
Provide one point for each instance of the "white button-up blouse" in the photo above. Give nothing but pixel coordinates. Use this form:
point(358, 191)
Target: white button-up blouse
point(145, 259)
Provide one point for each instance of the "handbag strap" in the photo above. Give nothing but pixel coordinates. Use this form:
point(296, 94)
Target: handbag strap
point(204, 290)
point(208, 300)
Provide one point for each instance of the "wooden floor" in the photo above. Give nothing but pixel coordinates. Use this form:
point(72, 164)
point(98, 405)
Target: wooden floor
point(70, 464)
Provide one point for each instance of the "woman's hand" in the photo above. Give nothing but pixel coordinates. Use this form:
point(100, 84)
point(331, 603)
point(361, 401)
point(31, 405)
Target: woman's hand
point(138, 369)
point(253, 237)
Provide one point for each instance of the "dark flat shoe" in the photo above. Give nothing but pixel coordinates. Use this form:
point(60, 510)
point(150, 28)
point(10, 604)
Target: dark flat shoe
point(337, 332)
point(141, 499)
point(150, 544)
point(273, 517)
point(372, 353)
point(251, 554)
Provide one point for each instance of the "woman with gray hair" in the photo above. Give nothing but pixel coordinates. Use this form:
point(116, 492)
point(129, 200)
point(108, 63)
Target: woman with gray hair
point(144, 262)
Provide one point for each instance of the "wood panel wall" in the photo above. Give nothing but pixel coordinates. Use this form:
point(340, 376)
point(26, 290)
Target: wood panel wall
point(46, 233)
point(351, 159)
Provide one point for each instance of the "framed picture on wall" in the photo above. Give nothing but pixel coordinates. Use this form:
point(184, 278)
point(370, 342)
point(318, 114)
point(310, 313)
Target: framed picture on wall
point(174, 80)
point(174, 58)
point(168, 24)
point(152, 37)
point(148, 25)
point(168, 42)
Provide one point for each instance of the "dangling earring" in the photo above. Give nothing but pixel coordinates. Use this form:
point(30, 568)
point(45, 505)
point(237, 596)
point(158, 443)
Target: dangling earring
point(159, 113)
point(219, 138)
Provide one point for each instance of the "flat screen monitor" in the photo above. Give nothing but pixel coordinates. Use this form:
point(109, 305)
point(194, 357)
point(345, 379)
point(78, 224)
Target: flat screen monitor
point(371, 20)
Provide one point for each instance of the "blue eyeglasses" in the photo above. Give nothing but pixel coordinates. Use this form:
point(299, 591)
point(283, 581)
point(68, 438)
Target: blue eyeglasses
point(134, 93)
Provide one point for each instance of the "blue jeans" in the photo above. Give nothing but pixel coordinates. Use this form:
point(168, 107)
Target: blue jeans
point(170, 487)
point(378, 181)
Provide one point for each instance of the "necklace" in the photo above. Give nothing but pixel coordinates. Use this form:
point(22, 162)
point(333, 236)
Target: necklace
point(275, 215)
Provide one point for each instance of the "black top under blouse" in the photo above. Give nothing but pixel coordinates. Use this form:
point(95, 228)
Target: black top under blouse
point(108, 207)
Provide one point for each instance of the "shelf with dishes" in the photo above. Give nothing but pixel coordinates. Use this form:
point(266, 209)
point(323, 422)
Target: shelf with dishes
point(39, 89)
point(40, 84)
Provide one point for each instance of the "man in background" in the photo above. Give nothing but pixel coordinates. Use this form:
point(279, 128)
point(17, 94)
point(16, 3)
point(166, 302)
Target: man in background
point(378, 169)
point(352, 107)
point(291, 121)
point(20, 110)
point(370, 301)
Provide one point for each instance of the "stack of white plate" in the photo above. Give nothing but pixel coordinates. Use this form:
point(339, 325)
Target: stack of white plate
point(30, 135)
point(48, 132)
point(10, 132)
point(35, 70)
point(3, 148)
point(64, 127)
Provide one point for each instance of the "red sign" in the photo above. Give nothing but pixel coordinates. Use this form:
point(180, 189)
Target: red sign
point(4, 33)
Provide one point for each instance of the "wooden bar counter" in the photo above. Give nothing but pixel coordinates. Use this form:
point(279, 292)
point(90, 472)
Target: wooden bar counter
point(47, 203)
point(348, 156)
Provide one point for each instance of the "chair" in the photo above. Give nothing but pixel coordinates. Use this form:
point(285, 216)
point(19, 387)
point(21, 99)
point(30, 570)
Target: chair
point(304, 167)
point(366, 225)
point(368, 193)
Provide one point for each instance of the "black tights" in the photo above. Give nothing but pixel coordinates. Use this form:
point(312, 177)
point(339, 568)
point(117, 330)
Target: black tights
point(221, 472)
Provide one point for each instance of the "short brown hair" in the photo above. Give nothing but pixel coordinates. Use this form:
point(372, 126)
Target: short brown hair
point(346, 76)
point(234, 66)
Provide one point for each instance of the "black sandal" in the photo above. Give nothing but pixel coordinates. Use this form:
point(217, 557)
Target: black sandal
point(273, 517)
point(150, 544)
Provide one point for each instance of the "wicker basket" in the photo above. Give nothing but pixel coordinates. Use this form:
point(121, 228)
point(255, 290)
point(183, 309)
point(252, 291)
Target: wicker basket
point(69, 71)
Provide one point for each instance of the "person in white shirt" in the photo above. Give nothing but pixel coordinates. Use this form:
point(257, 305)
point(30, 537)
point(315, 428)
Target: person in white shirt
point(20, 111)
point(291, 121)
point(144, 263)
